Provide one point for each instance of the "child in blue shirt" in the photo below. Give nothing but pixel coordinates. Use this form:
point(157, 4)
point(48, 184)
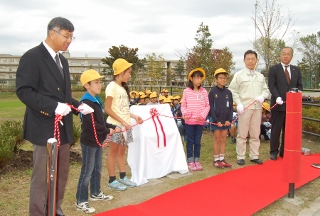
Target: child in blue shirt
point(220, 100)
point(91, 150)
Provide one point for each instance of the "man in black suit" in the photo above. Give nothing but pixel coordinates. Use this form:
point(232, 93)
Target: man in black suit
point(43, 85)
point(281, 79)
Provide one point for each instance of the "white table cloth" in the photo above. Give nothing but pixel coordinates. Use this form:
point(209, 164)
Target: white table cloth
point(148, 160)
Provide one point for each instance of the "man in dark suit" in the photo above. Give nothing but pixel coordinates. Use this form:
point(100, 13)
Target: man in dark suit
point(43, 85)
point(281, 79)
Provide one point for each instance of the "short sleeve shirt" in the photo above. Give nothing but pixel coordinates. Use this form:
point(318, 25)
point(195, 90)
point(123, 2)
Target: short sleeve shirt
point(120, 103)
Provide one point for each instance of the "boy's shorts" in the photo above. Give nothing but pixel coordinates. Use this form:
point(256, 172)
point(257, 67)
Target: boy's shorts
point(119, 137)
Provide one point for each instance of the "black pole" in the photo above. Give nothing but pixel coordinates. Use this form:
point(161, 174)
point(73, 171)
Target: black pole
point(291, 190)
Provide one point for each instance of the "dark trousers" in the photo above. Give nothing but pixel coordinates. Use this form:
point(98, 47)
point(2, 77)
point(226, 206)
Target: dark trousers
point(278, 120)
point(38, 188)
point(194, 134)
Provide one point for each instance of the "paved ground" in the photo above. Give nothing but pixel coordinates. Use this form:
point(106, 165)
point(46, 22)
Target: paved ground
point(312, 210)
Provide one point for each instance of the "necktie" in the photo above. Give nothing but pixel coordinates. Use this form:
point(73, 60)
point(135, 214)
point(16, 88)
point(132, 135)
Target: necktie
point(287, 73)
point(59, 66)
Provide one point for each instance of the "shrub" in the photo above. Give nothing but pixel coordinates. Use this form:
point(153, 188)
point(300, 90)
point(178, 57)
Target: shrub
point(14, 130)
point(6, 148)
point(76, 134)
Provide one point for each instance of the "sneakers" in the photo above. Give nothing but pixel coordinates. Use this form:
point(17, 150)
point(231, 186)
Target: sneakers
point(198, 166)
point(225, 164)
point(127, 182)
point(192, 166)
point(218, 164)
point(101, 196)
point(115, 185)
point(85, 207)
point(233, 140)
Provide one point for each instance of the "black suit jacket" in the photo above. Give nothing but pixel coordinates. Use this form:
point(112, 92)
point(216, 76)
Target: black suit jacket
point(40, 86)
point(278, 85)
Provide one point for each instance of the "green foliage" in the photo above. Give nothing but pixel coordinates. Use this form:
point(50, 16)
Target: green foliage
point(310, 64)
point(129, 54)
point(155, 68)
point(6, 149)
point(76, 134)
point(13, 129)
point(205, 56)
point(269, 50)
point(311, 126)
point(10, 140)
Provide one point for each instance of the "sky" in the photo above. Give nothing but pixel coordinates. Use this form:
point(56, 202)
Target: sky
point(163, 27)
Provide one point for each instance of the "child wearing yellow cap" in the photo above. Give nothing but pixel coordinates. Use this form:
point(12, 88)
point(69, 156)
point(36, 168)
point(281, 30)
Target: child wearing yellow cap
point(91, 150)
point(194, 108)
point(265, 127)
point(117, 107)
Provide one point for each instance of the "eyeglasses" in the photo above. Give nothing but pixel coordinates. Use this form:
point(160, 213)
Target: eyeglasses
point(71, 38)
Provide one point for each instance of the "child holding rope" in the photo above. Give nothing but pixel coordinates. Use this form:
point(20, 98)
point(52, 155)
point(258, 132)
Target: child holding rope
point(117, 107)
point(91, 150)
point(221, 111)
point(194, 108)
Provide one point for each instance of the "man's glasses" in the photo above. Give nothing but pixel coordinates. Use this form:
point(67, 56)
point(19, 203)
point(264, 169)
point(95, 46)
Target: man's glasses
point(71, 38)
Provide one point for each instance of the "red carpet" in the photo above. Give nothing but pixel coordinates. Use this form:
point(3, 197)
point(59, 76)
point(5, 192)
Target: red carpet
point(242, 191)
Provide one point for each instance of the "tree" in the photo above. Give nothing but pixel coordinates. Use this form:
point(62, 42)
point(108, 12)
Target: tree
point(269, 49)
point(204, 56)
point(155, 68)
point(179, 70)
point(272, 26)
point(129, 54)
point(310, 63)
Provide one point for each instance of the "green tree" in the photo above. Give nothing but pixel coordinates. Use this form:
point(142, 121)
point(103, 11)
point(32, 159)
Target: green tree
point(205, 56)
point(129, 54)
point(272, 25)
point(179, 70)
point(155, 68)
point(269, 51)
point(310, 63)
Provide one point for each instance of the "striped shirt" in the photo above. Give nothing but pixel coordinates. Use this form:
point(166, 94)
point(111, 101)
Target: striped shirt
point(195, 105)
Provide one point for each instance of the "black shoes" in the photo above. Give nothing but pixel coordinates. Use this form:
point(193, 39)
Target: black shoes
point(241, 162)
point(257, 161)
point(273, 157)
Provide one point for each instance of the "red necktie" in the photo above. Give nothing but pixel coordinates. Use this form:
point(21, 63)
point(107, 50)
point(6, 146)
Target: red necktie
point(287, 73)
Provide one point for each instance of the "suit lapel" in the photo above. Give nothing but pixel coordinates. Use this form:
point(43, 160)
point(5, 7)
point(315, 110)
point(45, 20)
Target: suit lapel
point(54, 70)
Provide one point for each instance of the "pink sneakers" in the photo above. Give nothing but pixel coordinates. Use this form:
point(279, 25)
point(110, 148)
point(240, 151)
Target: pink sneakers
point(192, 166)
point(218, 164)
point(198, 166)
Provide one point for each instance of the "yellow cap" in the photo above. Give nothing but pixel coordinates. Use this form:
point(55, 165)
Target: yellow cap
point(195, 70)
point(152, 95)
point(167, 100)
point(176, 97)
point(89, 75)
point(148, 91)
point(219, 71)
point(266, 106)
point(161, 97)
point(120, 65)
point(143, 96)
point(131, 93)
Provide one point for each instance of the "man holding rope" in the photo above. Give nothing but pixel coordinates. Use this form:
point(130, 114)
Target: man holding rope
point(249, 90)
point(281, 79)
point(43, 85)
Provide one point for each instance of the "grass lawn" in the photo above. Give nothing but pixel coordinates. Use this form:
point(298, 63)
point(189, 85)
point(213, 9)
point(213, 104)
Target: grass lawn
point(17, 183)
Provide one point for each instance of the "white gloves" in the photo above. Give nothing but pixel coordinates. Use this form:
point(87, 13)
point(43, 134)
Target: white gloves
point(85, 109)
point(62, 109)
point(260, 99)
point(279, 101)
point(240, 108)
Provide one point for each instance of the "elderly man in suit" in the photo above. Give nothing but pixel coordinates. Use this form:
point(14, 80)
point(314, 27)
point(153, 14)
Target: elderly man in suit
point(281, 79)
point(43, 85)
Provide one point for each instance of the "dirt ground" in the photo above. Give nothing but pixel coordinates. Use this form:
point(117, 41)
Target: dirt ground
point(23, 162)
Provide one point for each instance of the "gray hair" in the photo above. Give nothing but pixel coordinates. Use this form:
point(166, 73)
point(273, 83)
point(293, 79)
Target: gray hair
point(60, 23)
point(287, 48)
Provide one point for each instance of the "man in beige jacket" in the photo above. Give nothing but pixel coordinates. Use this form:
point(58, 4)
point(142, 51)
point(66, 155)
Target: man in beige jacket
point(248, 87)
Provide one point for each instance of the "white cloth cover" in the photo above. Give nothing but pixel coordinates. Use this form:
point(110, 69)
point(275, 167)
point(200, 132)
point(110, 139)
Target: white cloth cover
point(146, 159)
